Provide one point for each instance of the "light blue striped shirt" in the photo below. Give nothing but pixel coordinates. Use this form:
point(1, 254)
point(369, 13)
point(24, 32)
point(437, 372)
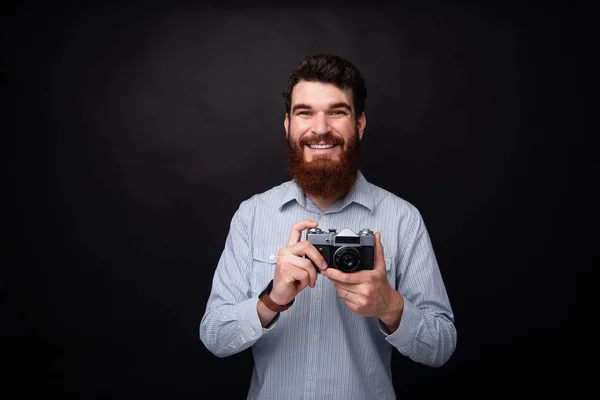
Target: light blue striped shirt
point(319, 348)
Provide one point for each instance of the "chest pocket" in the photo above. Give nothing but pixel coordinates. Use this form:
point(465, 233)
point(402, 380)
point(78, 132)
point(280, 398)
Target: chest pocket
point(263, 267)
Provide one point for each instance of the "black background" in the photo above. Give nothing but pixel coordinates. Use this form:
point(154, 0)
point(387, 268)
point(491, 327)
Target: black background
point(133, 131)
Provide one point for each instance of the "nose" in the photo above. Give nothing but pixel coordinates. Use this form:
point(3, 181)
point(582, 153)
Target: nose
point(320, 124)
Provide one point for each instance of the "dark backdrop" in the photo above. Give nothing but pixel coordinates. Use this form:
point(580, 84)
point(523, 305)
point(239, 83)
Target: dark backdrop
point(132, 132)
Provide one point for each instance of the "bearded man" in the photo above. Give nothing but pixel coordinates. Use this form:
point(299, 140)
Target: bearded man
point(316, 329)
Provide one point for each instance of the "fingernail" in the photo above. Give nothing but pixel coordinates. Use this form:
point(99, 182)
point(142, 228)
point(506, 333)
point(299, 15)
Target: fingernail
point(324, 265)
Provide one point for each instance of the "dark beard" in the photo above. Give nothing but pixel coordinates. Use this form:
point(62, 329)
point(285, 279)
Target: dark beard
point(323, 177)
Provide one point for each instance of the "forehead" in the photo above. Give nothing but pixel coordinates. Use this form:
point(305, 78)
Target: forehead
point(320, 94)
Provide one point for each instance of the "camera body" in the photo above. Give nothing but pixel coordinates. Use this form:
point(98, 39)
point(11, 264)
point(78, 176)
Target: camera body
point(347, 250)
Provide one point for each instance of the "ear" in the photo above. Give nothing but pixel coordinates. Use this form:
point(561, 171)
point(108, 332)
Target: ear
point(286, 124)
point(361, 123)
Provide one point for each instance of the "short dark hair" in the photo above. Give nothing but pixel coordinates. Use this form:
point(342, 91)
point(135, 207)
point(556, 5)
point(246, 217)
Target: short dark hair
point(330, 69)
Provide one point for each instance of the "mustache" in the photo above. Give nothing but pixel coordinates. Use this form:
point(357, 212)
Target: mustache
point(327, 139)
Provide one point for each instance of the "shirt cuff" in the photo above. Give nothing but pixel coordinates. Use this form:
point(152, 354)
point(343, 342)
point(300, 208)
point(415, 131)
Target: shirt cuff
point(409, 326)
point(251, 327)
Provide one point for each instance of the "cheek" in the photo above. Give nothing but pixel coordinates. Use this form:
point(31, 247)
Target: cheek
point(296, 131)
point(299, 127)
point(344, 128)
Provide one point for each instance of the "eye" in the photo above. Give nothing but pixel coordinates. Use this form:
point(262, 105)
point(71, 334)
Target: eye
point(338, 112)
point(303, 113)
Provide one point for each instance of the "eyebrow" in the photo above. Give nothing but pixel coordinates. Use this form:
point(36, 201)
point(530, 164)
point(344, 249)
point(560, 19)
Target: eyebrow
point(301, 106)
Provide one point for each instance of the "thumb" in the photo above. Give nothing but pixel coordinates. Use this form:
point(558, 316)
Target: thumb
point(379, 262)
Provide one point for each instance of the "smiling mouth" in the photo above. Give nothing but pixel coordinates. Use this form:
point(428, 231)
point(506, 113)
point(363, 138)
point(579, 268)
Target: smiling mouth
point(321, 146)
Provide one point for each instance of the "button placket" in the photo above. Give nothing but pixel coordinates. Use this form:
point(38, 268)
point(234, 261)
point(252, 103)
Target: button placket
point(314, 347)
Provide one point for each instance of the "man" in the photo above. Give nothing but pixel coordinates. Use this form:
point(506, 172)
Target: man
point(327, 334)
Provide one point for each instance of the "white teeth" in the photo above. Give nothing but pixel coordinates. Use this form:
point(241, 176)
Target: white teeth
point(321, 146)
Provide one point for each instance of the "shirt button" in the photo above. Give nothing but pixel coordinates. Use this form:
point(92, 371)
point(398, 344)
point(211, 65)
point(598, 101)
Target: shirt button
point(393, 340)
point(323, 217)
point(314, 336)
point(272, 257)
point(252, 332)
point(310, 378)
point(317, 297)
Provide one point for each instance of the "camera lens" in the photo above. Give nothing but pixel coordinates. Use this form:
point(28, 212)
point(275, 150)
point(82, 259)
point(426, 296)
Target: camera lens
point(346, 259)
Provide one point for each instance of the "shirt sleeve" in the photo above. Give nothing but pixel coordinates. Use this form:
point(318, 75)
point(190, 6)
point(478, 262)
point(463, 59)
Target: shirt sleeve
point(230, 323)
point(426, 333)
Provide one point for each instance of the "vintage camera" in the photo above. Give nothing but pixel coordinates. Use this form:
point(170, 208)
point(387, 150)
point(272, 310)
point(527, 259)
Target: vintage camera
point(347, 251)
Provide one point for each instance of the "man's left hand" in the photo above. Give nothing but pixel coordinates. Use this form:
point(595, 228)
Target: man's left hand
point(368, 292)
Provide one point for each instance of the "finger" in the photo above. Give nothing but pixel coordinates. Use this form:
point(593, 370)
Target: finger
point(289, 286)
point(306, 265)
point(351, 278)
point(297, 228)
point(297, 276)
point(379, 261)
point(342, 288)
point(305, 248)
point(346, 295)
point(316, 257)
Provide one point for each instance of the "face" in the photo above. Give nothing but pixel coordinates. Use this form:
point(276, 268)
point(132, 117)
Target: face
point(323, 139)
point(322, 120)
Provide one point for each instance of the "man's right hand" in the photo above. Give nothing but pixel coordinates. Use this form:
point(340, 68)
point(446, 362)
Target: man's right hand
point(293, 271)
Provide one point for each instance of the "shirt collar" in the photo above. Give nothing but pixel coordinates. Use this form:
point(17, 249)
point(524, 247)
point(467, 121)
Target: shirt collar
point(359, 193)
